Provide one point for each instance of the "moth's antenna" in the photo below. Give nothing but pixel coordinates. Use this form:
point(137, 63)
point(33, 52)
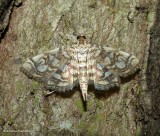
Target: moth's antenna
point(109, 29)
point(81, 19)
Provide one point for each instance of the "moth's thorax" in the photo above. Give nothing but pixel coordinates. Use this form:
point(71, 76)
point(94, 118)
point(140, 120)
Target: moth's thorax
point(82, 41)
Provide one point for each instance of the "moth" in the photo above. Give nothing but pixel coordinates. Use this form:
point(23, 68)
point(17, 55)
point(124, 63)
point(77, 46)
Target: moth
point(82, 63)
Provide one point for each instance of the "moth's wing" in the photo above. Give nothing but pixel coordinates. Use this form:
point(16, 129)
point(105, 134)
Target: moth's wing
point(49, 69)
point(64, 78)
point(103, 78)
point(118, 62)
point(107, 64)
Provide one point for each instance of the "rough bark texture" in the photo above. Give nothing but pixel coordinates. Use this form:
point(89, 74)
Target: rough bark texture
point(41, 25)
point(151, 109)
point(5, 12)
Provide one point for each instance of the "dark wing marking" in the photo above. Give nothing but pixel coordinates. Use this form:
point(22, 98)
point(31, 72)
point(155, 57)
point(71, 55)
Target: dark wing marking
point(103, 78)
point(51, 68)
point(119, 62)
point(107, 64)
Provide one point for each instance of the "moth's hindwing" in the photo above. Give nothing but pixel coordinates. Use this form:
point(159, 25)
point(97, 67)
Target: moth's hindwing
point(103, 78)
point(119, 62)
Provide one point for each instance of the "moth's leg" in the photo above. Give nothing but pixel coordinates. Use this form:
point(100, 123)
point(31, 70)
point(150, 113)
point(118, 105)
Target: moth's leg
point(48, 94)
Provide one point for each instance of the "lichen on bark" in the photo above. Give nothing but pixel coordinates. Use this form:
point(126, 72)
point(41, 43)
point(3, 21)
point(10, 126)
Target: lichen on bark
point(39, 26)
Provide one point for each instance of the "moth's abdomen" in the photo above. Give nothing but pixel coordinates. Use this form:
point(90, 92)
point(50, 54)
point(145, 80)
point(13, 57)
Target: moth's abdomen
point(82, 60)
point(82, 73)
point(83, 79)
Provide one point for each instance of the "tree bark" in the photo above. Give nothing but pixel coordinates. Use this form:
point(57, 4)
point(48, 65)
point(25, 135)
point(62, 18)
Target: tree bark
point(151, 110)
point(39, 26)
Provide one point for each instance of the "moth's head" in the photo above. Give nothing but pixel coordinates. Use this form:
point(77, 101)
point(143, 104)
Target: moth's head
point(81, 39)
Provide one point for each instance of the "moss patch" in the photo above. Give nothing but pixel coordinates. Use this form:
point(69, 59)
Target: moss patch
point(7, 134)
point(79, 105)
point(138, 131)
point(19, 86)
point(90, 128)
point(35, 85)
point(36, 101)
